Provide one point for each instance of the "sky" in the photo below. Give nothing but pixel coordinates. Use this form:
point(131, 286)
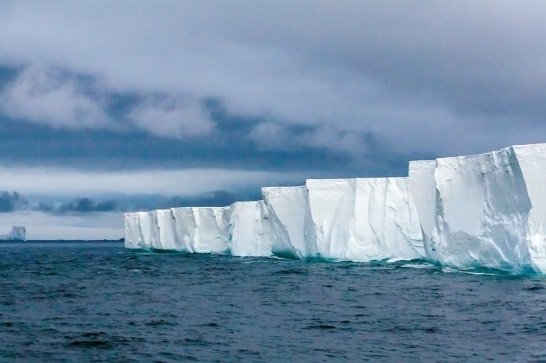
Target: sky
point(115, 106)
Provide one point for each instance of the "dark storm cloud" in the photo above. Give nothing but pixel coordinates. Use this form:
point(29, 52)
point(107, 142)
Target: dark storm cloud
point(129, 149)
point(84, 205)
point(348, 87)
point(79, 205)
point(11, 201)
point(218, 198)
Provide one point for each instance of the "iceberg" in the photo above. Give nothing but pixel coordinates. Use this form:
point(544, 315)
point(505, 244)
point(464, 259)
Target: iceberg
point(18, 233)
point(485, 210)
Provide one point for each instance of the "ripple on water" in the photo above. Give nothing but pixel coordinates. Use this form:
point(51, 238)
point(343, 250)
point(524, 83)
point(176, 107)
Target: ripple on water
point(99, 302)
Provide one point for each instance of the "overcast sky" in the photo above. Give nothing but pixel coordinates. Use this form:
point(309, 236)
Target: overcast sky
point(107, 106)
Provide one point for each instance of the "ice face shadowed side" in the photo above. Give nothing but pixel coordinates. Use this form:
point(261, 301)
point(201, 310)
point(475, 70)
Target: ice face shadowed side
point(133, 234)
point(422, 188)
point(532, 162)
point(146, 230)
point(287, 208)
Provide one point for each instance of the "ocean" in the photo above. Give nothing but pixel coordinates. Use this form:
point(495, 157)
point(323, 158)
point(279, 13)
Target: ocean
point(97, 302)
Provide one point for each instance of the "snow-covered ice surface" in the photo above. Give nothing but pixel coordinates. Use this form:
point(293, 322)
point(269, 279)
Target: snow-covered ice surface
point(486, 210)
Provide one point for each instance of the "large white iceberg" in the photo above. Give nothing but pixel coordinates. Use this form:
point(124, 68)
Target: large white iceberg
point(484, 210)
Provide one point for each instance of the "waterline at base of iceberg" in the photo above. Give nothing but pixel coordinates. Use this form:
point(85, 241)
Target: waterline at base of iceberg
point(434, 268)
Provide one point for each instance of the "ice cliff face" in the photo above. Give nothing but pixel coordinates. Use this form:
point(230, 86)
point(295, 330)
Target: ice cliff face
point(483, 210)
point(345, 219)
point(287, 210)
point(249, 229)
point(532, 162)
point(363, 219)
point(194, 230)
point(480, 210)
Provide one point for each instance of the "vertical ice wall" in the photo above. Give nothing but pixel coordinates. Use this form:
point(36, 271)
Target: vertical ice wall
point(363, 219)
point(201, 229)
point(287, 208)
point(532, 161)
point(249, 229)
point(486, 210)
point(165, 228)
point(139, 230)
point(133, 234)
point(482, 211)
point(191, 229)
point(423, 192)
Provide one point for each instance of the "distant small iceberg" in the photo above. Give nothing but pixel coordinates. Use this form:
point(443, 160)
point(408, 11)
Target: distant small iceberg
point(18, 233)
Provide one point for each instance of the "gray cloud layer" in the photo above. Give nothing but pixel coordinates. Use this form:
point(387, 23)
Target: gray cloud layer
point(15, 202)
point(430, 77)
point(11, 201)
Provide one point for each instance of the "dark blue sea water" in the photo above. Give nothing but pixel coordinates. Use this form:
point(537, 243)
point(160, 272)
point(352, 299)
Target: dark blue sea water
point(96, 302)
